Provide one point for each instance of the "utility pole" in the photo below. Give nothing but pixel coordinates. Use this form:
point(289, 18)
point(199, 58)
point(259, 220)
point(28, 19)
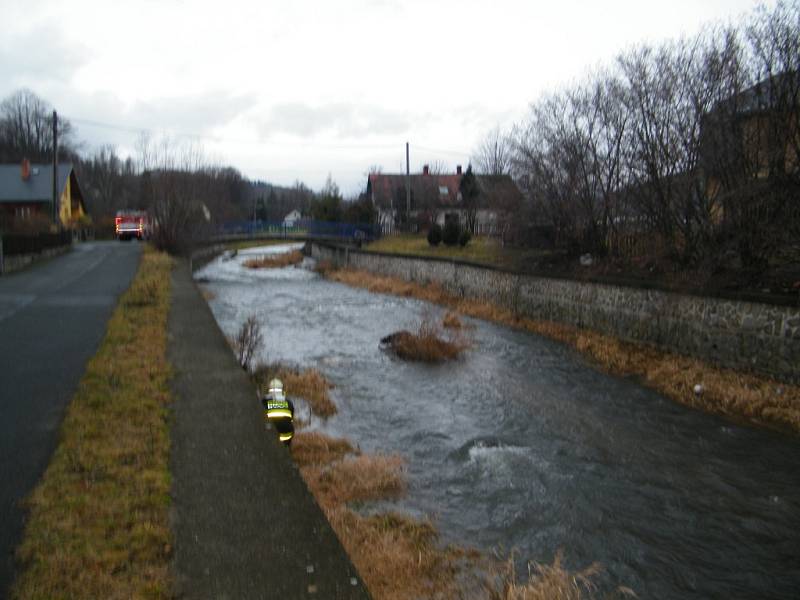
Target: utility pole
point(408, 191)
point(55, 169)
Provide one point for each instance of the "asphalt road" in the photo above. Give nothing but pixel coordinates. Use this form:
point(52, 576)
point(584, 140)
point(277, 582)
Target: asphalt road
point(52, 319)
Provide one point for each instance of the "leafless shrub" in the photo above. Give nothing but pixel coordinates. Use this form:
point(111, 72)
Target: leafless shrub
point(247, 341)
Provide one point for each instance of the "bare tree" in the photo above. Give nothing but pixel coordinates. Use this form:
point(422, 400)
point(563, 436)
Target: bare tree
point(439, 167)
point(493, 155)
point(174, 191)
point(26, 129)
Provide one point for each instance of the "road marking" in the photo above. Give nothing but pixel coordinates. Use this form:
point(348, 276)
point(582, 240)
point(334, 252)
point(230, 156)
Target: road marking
point(14, 302)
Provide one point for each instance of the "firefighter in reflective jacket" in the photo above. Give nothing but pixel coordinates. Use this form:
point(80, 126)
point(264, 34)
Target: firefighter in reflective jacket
point(279, 411)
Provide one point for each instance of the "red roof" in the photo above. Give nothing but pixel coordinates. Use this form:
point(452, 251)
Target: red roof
point(440, 191)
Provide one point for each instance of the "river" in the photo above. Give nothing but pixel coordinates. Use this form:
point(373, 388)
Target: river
point(522, 445)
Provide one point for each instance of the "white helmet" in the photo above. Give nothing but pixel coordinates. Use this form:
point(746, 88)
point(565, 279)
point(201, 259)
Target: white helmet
point(276, 386)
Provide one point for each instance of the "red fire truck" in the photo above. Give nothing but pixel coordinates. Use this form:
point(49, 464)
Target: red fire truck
point(130, 224)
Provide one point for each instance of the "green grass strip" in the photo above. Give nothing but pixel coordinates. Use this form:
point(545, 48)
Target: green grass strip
point(481, 249)
point(98, 524)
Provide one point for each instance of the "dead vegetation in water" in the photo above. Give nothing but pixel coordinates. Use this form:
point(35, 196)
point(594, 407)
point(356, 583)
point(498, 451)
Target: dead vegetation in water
point(308, 384)
point(312, 448)
point(451, 320)
point(428, 344)
point(356, 479)
point(725, 391)
point(547, 582)
point(398, 556)
point(275, 261)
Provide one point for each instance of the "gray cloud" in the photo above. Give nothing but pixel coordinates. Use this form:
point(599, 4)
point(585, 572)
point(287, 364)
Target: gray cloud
point(342, 119)
point(101, 118)
point(40, 57)
point(191, 114)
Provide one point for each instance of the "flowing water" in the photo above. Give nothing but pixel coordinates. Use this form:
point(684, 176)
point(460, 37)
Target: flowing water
point(522, 445)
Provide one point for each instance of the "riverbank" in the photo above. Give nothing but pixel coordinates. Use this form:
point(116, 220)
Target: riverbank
point(520, 444)
point(740, 396)
point(741, 334)
point(98, 523)
point(400, 556)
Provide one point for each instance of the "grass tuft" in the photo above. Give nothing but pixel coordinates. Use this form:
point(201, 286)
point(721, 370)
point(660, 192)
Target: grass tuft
point(545, 582)
point(738, 395)
point(275, 261)
point(428, 344)
point(312, 448)
point(98, 524)
point(355, 479)
point(308, 384)
point(451, 320)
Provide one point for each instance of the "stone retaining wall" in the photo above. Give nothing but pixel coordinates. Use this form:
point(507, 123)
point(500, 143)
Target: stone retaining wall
point(737, 334)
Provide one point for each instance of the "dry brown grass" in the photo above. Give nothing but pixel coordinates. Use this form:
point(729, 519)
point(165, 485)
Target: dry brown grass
point(208, 295)
point(732, 393)
point(98, 524)
point(354, 479)
point(312, 448)
point(451, 320)
point(275, 261)
point(428, 344)
point(308, 384)
point(545, 582)
point(397, 556)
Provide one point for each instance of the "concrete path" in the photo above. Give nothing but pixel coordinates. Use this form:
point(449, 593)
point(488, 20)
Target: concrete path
point(52, 318)
point(245, 524)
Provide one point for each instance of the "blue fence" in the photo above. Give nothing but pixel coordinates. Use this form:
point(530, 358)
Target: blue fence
point(305, 228)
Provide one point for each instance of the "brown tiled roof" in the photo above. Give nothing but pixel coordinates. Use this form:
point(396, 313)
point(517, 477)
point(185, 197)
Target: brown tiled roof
point(498, 192)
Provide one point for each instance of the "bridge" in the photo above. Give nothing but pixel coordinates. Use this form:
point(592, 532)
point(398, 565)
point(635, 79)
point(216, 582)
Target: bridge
point(301, 231)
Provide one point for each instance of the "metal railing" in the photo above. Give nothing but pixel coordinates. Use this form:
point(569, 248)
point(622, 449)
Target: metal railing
point(303, 229)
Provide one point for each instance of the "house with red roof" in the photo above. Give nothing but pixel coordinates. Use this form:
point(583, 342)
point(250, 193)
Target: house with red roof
point(436, 198)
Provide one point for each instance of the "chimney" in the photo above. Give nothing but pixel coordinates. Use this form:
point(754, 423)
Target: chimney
point(425, 170)
point(458, 169)
point(26, 169)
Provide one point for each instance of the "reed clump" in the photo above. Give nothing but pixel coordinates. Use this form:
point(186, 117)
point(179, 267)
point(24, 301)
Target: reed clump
point(312, 448)
point(276, 261)
point(428, 344)
point(356, 479)
point(308, 384)
point(546, 582)
point(735, 394)
point(451, 320)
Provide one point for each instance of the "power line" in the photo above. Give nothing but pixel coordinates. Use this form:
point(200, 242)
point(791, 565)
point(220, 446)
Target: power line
point(442, 152)
point(201, 136)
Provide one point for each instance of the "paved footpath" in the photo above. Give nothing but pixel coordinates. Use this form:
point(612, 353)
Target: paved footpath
point(245, 524)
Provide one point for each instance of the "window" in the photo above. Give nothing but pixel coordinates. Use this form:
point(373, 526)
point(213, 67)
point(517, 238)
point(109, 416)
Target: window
point(443, 190)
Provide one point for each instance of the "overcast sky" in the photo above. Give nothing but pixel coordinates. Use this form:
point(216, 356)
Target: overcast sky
point(294, 90)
